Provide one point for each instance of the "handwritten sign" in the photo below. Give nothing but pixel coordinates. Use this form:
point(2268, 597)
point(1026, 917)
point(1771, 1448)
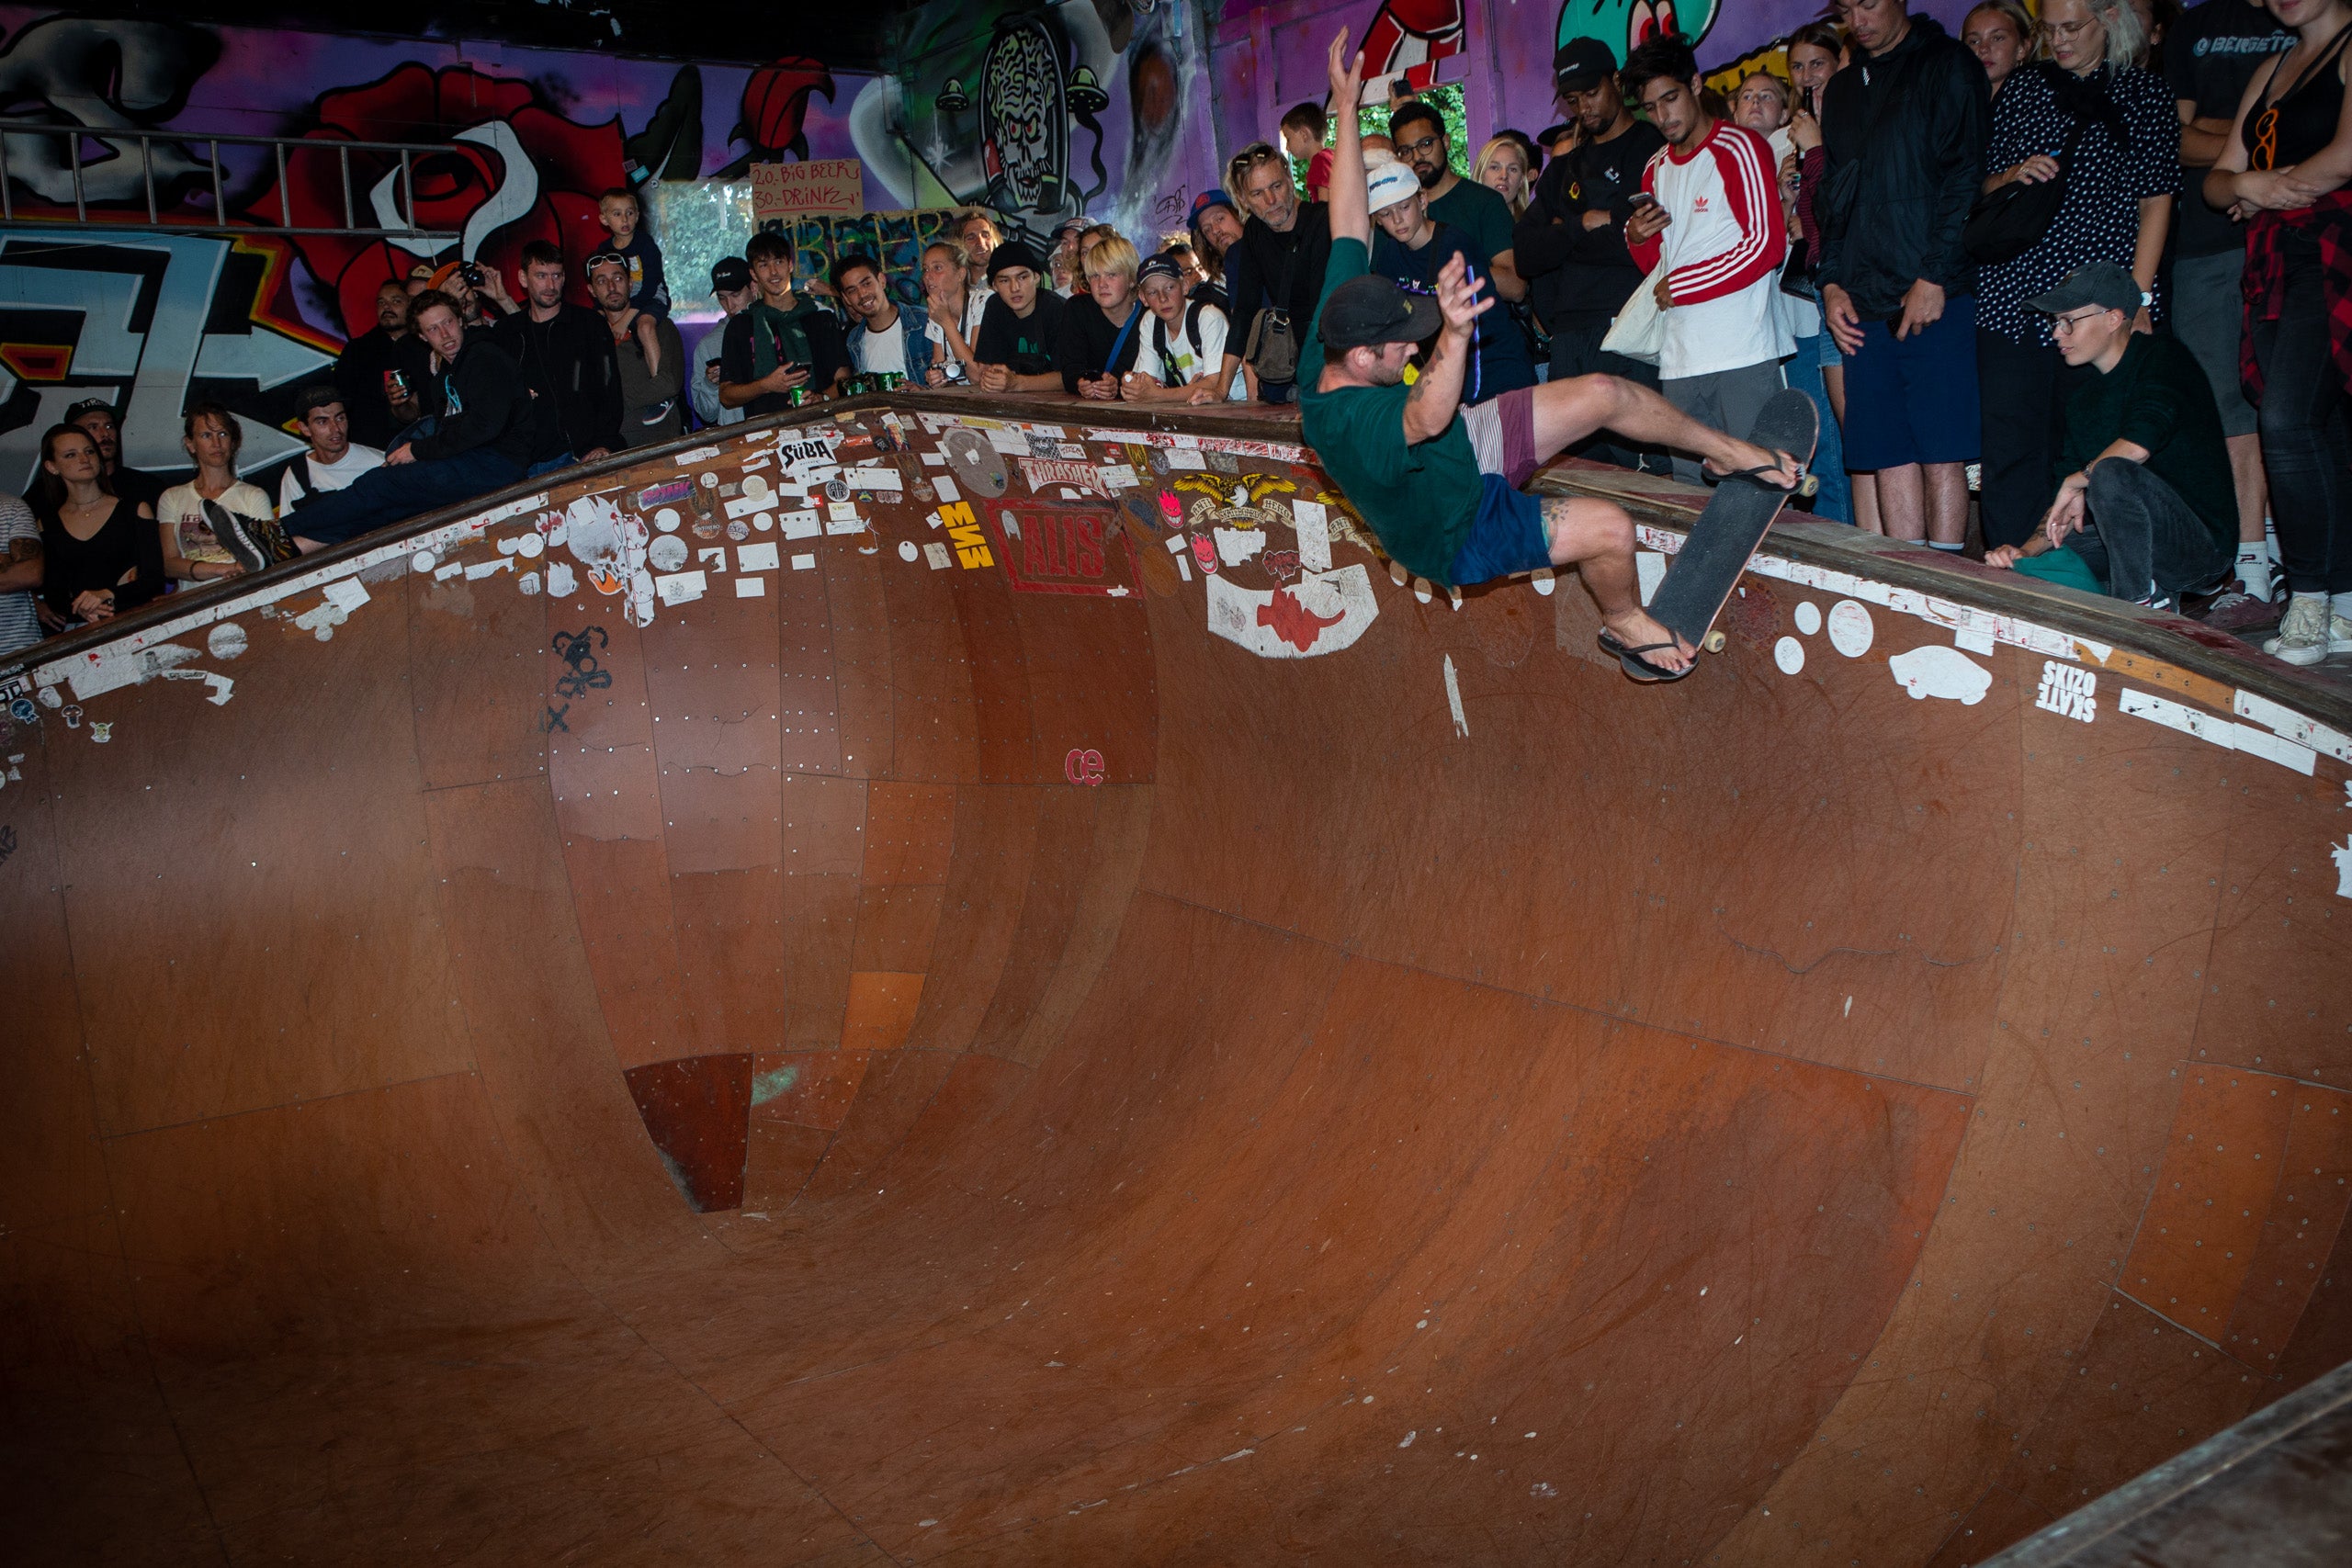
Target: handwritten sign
point(787, 190)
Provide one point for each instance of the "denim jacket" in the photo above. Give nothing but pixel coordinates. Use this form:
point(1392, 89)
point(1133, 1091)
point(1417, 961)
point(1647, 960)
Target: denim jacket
point(914, 320)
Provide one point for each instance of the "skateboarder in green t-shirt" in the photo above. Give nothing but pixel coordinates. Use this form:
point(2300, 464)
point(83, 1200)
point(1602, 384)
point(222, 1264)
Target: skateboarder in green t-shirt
point(1438, 483)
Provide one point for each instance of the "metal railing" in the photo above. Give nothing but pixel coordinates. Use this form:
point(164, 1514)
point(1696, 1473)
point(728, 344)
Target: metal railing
point(120, 191)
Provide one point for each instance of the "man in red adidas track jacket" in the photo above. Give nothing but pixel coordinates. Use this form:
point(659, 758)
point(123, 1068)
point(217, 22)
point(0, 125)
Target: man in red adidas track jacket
point(1716, 224)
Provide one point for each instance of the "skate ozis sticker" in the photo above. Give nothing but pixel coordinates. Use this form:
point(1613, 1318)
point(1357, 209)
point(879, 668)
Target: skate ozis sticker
point(2068, 689)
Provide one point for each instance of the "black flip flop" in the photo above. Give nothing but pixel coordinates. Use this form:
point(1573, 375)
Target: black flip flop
point(1805, 484)
point(1641, 669)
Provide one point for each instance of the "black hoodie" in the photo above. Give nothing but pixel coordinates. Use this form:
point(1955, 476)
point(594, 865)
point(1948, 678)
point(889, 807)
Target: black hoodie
point(567, 361)
point(485, 403)
point(1577, 275)
point(1904, 133)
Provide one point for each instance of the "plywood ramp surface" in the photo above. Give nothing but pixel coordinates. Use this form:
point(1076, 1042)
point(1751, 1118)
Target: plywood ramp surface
point(993, 1041)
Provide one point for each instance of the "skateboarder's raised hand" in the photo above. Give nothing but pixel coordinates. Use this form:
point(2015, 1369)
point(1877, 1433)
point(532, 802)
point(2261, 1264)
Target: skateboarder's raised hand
point(1350, 206)
point(1437, 395)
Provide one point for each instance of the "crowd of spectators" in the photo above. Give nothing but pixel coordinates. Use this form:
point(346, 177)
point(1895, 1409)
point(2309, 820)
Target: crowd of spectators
point(1922, 232)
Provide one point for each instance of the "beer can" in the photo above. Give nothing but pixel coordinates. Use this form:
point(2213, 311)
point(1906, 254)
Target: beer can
point(893, 379)
point(797, 397)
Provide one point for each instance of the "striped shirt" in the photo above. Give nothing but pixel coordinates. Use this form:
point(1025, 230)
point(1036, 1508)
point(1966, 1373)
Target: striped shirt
point(1722, 252)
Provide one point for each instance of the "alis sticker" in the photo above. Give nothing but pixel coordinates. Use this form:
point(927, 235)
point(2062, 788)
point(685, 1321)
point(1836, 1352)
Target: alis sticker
point(1318, 615)
point(1058, 548)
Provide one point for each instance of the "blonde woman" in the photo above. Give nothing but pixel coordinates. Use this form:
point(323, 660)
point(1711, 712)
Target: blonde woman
point(2125, 165)
point(1502, 168)
point(1099, 328)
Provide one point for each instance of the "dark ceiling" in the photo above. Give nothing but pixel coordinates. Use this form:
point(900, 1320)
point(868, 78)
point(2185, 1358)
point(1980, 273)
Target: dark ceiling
point(845, 36)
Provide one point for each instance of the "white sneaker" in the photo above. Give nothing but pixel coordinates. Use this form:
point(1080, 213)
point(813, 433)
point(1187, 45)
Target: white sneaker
point(2309, 633)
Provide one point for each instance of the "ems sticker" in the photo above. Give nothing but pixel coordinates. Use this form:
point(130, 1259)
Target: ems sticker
point(964, 533)
point(1322, 613)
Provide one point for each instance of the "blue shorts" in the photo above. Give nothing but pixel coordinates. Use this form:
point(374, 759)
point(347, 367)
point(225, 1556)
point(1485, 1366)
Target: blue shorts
point(1913, 401)
point(1507, 536)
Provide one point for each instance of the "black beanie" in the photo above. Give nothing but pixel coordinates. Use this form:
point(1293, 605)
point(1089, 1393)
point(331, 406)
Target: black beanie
point(1012, 252)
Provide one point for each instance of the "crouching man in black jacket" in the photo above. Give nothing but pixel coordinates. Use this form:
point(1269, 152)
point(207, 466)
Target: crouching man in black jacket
point(481, 439)
point(1905, 128)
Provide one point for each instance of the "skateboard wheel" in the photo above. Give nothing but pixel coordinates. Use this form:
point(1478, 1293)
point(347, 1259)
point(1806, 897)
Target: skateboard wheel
point(1810, 485)
point(1714, 643)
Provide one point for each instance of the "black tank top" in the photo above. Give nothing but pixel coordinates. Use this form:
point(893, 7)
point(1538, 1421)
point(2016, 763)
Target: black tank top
point(2287, 131)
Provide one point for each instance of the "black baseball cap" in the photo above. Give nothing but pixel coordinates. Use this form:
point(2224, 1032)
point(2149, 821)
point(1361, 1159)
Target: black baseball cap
point(1368, 311)
point(1010, 254)
point(2103, 284)
point(93, 405)
point(1580, 64)
point(1159, 265)
point(730, 274)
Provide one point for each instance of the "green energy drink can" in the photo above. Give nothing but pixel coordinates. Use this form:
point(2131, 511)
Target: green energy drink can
point(797, 397)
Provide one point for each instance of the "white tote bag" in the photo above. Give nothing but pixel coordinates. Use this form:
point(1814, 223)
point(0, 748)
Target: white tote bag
point(1639, 331)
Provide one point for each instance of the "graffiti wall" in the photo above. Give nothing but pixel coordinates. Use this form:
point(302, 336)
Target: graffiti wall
point(1269, 54)
point(1041, 112)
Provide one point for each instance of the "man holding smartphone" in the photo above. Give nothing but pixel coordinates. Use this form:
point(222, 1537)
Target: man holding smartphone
point(1571, 241)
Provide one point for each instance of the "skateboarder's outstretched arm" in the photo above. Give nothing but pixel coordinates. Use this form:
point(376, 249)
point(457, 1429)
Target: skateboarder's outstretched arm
point(1350, 201)
point(1437, 395)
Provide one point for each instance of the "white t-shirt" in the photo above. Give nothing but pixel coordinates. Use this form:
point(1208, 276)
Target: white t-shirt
point(19, 625)
point(310, 477)
point(1722, 252)
point(884, 350)
point(181, 510)
point(1190, 360)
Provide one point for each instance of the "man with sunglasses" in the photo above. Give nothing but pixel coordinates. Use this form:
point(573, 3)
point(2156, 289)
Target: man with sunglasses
point(2147, 511)
point(1274, 274)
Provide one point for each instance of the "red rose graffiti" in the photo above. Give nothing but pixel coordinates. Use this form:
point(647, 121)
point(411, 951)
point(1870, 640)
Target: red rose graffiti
point(775, 105)
point(513, 171)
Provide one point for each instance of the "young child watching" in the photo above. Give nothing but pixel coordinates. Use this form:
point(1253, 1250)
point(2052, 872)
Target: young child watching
point(1303, 131)
point(649, 289)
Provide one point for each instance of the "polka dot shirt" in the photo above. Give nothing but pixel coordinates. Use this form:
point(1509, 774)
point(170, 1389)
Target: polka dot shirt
point(2099, 220)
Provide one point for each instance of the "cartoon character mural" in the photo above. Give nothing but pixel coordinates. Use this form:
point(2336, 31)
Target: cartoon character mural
point(1623, 25)
point(1412, 36)
point(1006, 108)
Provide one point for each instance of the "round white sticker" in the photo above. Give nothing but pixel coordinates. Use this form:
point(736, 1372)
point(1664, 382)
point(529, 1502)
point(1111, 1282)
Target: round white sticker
point(1808, 618)
point(1788, 654)
point(666, 520)
point(1849, 629)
